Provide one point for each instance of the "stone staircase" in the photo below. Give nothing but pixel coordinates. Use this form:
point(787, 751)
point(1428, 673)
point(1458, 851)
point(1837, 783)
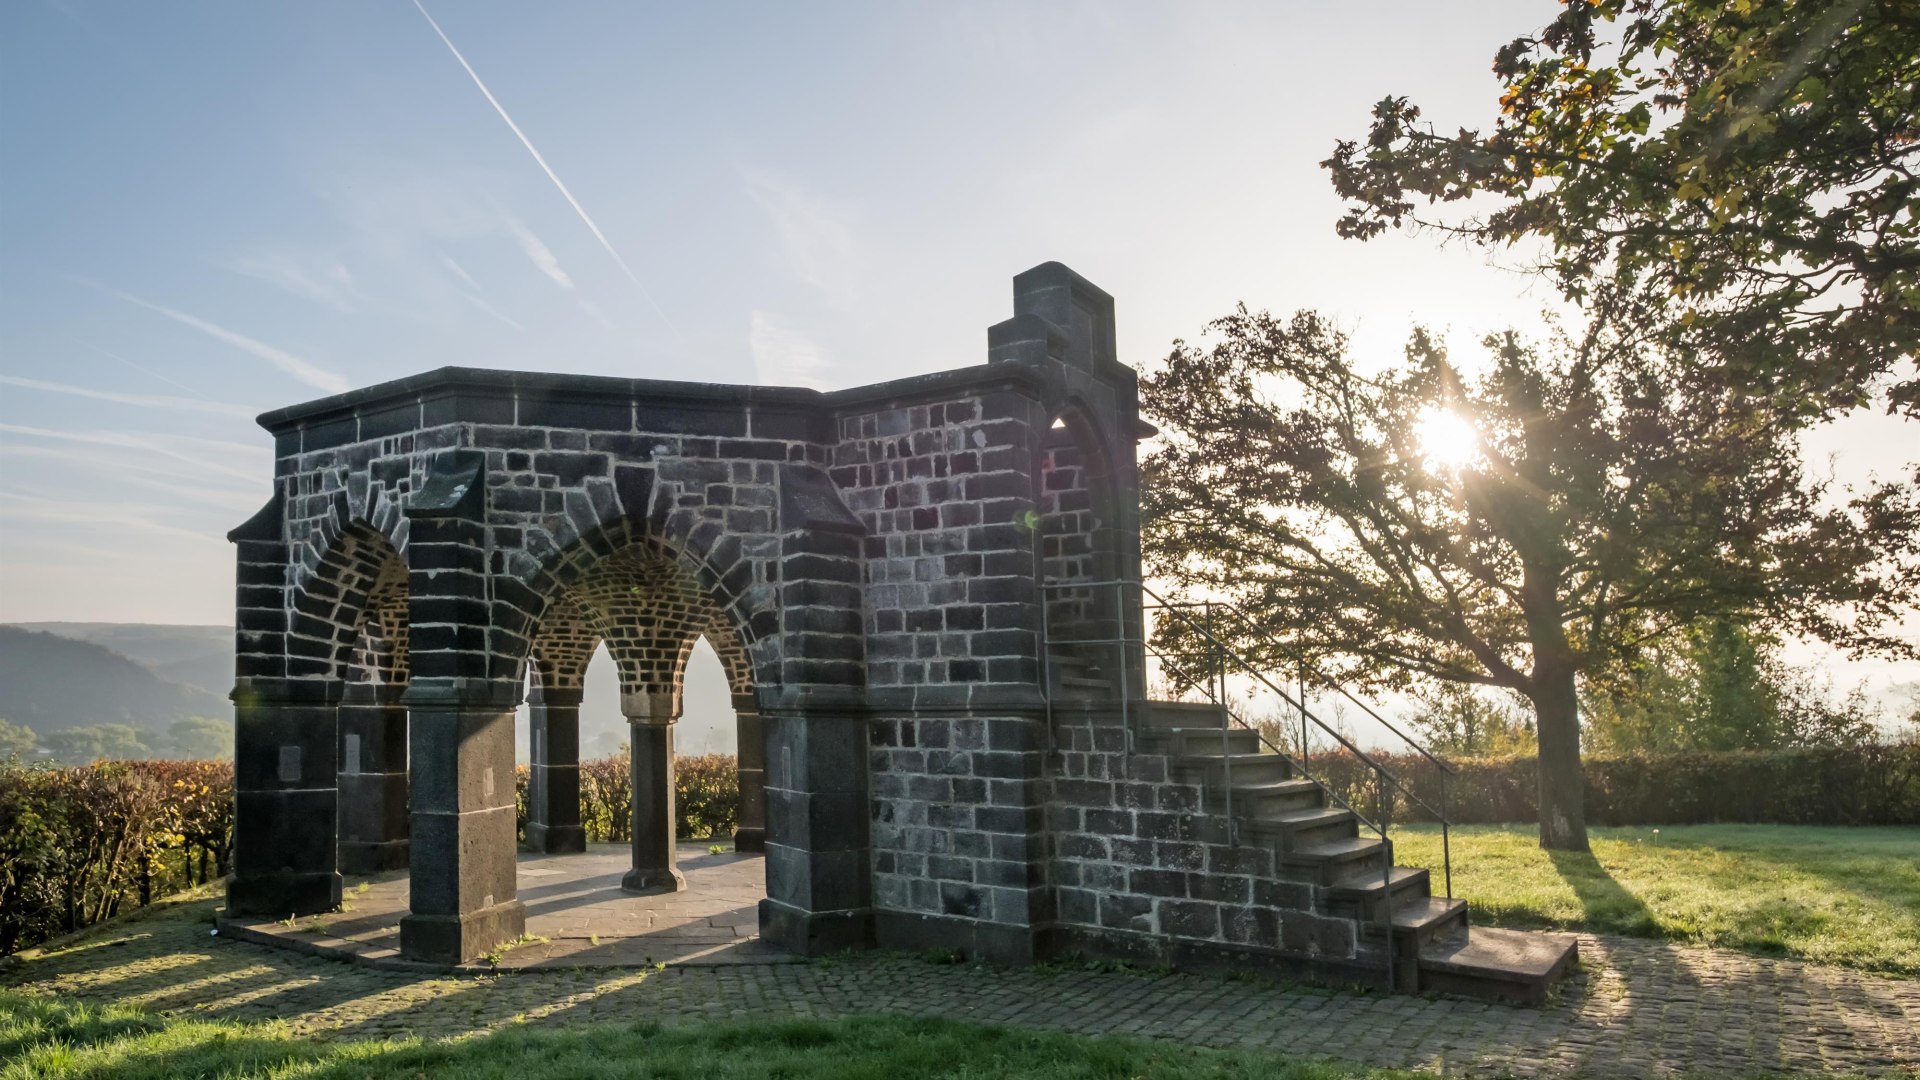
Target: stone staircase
point(1274, 806)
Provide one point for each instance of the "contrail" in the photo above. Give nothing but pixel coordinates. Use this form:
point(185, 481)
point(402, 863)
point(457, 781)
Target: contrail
point(314, 376)
point(548, 169)
point(153, 401)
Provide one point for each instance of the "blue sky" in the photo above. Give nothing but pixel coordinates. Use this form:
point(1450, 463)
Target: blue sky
point(209, 209)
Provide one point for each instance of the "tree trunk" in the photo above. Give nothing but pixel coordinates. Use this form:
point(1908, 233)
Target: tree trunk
point(1563, 786)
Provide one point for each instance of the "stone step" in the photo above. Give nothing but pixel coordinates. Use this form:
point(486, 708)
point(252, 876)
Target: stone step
point(1292, 829)
point(1421, 920)
point(1164, 714)
point(1336, 860)
point(1199, 741)
point(1246, 768)
point(1251, 800)
point(1362, 895)
point(1513, 966)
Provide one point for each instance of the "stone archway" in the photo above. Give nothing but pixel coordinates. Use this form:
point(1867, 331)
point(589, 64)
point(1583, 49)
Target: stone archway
point(642, 603)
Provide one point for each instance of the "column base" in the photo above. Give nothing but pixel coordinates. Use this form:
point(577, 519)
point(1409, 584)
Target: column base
point(814, 933)
point(456, 939)
point(281, 895)
point(749, 839)
point(654, 880)
point(556, 839)
point(363, 857)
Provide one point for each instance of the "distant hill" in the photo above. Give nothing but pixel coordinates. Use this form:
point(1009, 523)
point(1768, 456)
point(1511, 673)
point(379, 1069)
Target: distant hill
point(198, 656)
point(51, 682)
point(191, 668)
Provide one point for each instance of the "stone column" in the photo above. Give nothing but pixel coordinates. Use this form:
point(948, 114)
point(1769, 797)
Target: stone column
point(553, 775)
point(463, 882)
point(751, 760)
point(819, 889)
point(650, 718)
point(373, 778)
point(284, 797)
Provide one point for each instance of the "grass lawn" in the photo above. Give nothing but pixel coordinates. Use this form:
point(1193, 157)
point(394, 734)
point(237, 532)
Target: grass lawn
point(44, 1038)
point(1833, 895)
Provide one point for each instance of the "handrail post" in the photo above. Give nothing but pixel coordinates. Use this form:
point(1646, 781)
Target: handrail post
point(1446, 846)
point(1217, 690)
point(1386, 899)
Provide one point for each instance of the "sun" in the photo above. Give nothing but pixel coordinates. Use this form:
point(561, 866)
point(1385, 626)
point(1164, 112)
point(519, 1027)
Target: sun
point(1447, 440)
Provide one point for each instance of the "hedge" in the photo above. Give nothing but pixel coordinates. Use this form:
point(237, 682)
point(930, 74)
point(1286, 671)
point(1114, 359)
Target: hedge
point(706, 790)
point(80, 844)
point(1866, 785)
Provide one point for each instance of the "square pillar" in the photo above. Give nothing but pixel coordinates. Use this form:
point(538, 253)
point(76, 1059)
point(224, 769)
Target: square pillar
point(284, 799)
point(650, 718)
point(464, 896)
point(553, 774)
point(373, 779)
point(819, 883)
point(751, 765)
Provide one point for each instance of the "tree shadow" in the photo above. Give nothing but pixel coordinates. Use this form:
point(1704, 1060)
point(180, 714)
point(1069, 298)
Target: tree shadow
point(1609, 907)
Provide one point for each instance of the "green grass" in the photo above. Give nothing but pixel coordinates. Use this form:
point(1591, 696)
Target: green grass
point(44, 1038)
point(1848, 896)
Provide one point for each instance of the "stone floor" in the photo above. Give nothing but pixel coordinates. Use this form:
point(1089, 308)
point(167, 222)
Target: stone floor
point(1635, 1009)
point(577, 916)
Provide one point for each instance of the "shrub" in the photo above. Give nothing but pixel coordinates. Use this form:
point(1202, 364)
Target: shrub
point(1873, 784)
point(706, 793)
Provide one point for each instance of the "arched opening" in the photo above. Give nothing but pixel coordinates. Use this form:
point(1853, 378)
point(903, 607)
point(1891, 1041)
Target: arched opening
point(1079, 557)
point(371, 762)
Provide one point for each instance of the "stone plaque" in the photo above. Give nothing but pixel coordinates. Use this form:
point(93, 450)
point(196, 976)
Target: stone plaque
point(352, 754)
point(289, 764)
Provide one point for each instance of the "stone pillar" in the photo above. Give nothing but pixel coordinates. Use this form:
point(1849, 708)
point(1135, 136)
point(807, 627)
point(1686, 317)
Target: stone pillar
point(373, 778)
point(751, 762)
point(284, 797)
point(818, 874)
point(553, 775)
point(650, 718)
point(463, 883)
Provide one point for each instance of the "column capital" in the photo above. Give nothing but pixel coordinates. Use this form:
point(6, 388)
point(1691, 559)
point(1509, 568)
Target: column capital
point(454, 693)
point(648, 707)
point(556, 697)
point(251, 692)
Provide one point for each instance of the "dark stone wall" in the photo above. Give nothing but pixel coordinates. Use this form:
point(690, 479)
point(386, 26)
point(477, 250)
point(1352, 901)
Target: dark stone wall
point(1140, 861)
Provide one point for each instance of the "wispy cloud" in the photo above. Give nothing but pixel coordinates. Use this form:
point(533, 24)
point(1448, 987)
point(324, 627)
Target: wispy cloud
point(311, 374)
point(105, 515)
point(319, 277)
point(537, 251)
point(815, 236)
point(492, 311)
point(150, 401)
point(165, 447)
point(460, 272)
point(169, 380)
point(558, 184)
point(783, 356)
point(186, 483)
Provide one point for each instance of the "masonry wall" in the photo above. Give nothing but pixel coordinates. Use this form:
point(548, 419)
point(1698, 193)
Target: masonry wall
point(1141, 868)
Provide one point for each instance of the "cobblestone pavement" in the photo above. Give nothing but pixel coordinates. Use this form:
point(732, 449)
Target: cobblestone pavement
point(577, 915)
point(1636, 1009)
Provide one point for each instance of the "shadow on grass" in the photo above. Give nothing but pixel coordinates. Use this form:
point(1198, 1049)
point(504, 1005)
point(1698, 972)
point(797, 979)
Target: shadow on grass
point(1608, 905)
point(53, 1039)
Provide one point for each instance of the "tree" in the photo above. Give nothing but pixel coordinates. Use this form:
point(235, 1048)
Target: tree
point(200, 737)
point(1456, 718)
point(16, 741)
point(81, 745)
point(1745, 166)
point(1517, 530)
point(1720, 685)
